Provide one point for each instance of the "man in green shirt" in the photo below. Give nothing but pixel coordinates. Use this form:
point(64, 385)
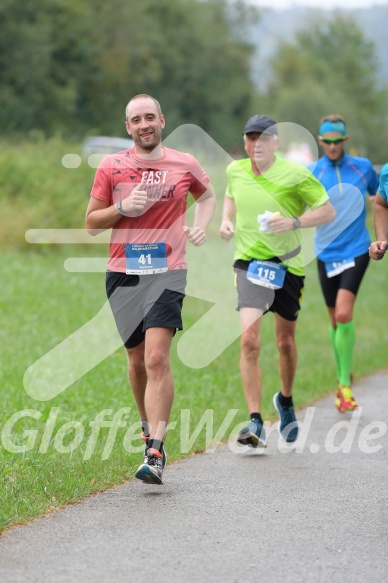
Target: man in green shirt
point(273, 194)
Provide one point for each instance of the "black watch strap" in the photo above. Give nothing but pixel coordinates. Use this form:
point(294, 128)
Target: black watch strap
point(296, 223)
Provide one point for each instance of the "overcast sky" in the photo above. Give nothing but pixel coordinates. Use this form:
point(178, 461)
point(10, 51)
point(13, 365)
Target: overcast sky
point(325, 4)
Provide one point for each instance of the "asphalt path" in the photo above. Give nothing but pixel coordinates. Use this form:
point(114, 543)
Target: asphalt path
point(317, 512)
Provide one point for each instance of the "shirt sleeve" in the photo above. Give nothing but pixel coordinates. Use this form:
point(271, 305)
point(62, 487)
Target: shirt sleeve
point(199, 178)
point(102, 186)
point(373, 182)
point(312, 192)
point(384, 183)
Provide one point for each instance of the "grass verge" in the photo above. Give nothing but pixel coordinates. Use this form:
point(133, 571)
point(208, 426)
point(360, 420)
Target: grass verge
point(51, 453)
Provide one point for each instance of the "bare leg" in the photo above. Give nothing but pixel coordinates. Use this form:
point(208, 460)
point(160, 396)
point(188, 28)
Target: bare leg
point(249, 358)
point(137, 376)
point(288, 355)
point(159, 393)
point(332, 317)
point(342, 313)
point(344, 305)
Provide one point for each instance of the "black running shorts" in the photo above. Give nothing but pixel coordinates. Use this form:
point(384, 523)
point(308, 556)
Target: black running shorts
point(145, 301)
point(284, 301)
point(350, 279)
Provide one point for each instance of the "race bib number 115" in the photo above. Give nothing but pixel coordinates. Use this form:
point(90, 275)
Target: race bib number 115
point(266, 273)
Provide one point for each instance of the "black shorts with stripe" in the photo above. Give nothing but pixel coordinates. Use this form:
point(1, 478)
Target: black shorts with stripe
point(350, 279)
point(285, 301)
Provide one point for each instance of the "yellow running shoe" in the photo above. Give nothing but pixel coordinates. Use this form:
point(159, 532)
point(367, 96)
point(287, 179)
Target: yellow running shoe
point(345, 400)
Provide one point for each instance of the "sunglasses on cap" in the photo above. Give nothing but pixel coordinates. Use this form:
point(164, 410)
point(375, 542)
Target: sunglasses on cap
point(337, 141)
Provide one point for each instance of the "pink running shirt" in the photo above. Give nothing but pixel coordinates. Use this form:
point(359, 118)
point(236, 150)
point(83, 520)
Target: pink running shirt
point(168, 181)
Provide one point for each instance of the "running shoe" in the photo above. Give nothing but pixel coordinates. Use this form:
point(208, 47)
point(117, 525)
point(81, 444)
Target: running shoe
point(345, 400)
point(288, 426)
point(146, 439)
point(151, 470)
point(253, 434)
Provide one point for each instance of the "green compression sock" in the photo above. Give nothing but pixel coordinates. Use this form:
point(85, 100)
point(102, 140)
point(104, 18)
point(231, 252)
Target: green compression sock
point(345, 337)
point(332, 341)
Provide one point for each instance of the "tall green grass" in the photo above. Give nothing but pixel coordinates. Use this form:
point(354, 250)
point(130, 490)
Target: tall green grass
point(37, 191)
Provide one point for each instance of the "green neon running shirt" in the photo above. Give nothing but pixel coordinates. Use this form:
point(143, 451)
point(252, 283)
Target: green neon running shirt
point(286, 187)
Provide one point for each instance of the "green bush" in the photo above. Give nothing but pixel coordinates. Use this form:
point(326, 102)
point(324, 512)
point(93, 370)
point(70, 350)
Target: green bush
point(37, 191)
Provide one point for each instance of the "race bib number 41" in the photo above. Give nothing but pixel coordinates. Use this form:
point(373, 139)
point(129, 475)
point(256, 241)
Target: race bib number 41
point(145, 258)
point(266, 273)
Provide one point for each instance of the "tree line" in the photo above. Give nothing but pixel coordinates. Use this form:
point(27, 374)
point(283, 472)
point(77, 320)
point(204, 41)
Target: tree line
point(70, 66)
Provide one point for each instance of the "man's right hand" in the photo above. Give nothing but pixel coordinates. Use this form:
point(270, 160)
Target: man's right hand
point(377, 250)
point(226, 230)
point(136, 201)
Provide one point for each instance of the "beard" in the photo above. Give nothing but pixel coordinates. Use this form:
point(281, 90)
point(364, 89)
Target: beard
point(150, 142)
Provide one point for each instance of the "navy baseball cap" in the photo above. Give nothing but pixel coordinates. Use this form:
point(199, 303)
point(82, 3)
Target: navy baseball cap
point(260, 124)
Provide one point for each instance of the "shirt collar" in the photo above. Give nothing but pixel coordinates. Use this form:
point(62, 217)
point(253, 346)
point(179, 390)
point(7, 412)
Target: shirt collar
point(336, 162)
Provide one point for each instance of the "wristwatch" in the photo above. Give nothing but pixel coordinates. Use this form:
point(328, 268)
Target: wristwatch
point(297, 224)
point(119, 207)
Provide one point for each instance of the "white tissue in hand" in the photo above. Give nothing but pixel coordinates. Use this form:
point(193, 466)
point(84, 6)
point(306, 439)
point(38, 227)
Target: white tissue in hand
point(263, 221)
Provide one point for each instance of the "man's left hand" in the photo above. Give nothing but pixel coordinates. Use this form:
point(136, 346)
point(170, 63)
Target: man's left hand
point(195, 235)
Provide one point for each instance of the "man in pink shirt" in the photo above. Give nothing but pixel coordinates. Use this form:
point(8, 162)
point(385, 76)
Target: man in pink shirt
point(141, 194)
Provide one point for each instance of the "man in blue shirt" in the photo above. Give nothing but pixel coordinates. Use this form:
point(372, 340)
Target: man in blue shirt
point(378, 248)
point(342, 246)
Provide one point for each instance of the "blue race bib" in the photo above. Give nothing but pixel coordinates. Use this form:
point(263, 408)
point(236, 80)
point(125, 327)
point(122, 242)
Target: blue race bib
point(336, 267)
point(145, 258)
point(266, 273)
